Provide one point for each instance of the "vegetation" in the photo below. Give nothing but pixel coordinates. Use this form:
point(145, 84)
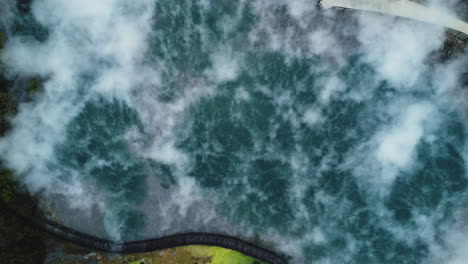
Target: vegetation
point(35, 86)
point(3, 40)
point(180, 255)
point(8, 108)
point(19, 242)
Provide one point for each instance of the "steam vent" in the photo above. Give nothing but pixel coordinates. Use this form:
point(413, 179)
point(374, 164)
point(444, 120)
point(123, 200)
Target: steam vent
point(234, 132)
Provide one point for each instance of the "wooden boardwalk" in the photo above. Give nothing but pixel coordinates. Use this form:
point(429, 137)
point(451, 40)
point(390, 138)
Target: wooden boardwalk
point(402, 8)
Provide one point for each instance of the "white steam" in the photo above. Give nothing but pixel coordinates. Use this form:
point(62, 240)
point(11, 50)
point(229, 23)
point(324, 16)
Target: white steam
point(398, 48)
point(396, 145)
point(100, 48)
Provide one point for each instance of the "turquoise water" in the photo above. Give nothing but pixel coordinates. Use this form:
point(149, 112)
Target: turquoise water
point(243, 134)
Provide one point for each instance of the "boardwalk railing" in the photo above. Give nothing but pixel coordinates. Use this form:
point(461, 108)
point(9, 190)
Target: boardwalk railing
point(64, 233)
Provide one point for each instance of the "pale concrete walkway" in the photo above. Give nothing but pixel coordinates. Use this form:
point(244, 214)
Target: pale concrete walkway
point(402, 8)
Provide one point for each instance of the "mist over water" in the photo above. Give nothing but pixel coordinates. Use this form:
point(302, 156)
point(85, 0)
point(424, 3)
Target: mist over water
point(328, 137)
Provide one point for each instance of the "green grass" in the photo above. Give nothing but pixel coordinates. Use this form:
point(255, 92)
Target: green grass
point(221, 255)
point(180, 255)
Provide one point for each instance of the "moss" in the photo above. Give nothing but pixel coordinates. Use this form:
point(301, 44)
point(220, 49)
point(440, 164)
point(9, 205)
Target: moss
point(8, 108)
point(143, 261)
point(3, 40)
point(7, 187)
point(220, 255)
point(35, 86)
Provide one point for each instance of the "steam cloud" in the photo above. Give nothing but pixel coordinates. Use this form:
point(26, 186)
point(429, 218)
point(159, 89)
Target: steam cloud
point(102, 49)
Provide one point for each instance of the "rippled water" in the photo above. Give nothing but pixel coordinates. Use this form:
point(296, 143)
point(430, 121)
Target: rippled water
point(328, 137)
